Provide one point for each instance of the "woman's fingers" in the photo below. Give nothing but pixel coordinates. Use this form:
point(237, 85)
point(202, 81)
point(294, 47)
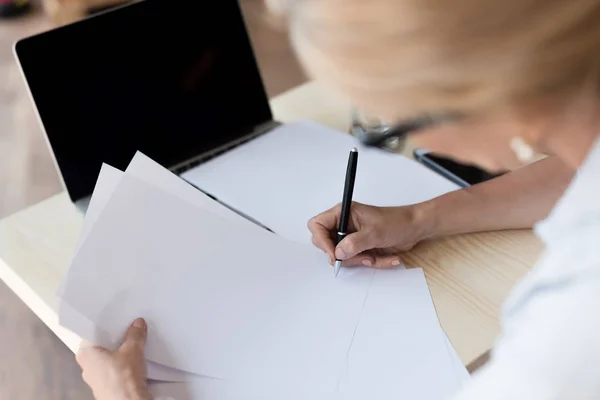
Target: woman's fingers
point(384, 262)
point(371, 260)
point(322, 226)
point(135, 337)
point(355, 243)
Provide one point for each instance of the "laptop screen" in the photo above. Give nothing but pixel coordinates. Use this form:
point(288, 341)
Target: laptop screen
point(172, 79)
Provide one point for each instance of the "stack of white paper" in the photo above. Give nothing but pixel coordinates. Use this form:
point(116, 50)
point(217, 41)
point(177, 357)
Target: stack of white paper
point(236, 312)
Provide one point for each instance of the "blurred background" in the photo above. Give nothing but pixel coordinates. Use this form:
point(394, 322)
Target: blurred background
point(34, 364)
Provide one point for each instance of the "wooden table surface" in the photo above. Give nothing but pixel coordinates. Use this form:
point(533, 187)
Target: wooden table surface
point(469, 276)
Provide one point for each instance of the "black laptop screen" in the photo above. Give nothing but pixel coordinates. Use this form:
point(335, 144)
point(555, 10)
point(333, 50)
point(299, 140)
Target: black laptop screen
point(172, 79)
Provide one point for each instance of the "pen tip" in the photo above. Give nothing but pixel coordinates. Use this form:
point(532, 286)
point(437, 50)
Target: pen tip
point(354, 150)
point(336, 267)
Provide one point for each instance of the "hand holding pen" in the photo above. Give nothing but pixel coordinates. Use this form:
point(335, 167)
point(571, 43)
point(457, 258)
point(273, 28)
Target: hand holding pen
point(372, 236)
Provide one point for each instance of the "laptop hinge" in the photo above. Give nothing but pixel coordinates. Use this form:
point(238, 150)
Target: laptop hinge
point(202, 158)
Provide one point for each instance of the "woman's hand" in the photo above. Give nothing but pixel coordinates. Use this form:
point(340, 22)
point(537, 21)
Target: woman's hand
point(379, 235)
point(516, 200)
point(119, 374)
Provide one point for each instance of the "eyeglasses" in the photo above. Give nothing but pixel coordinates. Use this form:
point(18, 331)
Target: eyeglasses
point(403, 129)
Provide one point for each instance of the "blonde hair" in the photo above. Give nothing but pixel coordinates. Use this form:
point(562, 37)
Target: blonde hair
point(464, 56)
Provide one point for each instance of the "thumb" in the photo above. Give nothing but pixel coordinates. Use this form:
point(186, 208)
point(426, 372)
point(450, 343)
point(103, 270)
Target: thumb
point(354, 244)
point(136, 334)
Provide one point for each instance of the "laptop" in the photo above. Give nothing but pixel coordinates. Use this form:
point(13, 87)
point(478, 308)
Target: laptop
point(177, 81)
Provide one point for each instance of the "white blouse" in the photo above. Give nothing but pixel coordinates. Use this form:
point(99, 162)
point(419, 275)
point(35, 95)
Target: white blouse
point(550, 345)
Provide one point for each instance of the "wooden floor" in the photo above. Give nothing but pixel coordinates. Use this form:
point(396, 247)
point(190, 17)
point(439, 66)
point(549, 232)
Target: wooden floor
point(34, 365)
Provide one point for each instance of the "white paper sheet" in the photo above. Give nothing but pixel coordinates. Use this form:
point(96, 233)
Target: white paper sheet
point(398, 324)
point(291, 174)
point(228, 307)
point(148, 170)
point(108, 180)
point(391, 356)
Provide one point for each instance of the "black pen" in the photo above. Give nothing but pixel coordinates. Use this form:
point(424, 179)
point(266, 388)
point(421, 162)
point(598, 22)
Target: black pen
point(346, 203)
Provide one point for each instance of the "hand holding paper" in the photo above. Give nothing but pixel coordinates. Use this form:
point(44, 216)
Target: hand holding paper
point(118, 374)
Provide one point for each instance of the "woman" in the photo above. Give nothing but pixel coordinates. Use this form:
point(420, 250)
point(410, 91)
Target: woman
point(506, 78)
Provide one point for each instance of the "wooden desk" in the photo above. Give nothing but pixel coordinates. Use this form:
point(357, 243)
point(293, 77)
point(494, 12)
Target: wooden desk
point(468, 275)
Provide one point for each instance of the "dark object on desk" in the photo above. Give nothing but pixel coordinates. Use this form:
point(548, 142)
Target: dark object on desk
point(461, 174)
point(13, 8)
point(346, 202)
